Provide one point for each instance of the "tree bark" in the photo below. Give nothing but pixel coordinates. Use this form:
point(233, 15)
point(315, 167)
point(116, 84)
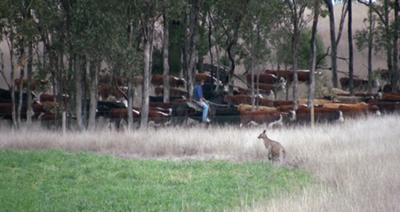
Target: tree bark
point(146, 78)
point(130, 103)
point(332, 30)
point(370, 43)
point(166, 70)
point(395, 78)
point(93, 67)
point(192, 45)
point(12, 81)
point(29, 111)
point(313, 60)
point(78, 92)
point(21, 85)
point(389, 55)
point(350, 41)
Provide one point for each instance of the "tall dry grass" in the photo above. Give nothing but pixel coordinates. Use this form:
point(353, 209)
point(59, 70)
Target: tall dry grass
point(356, 164)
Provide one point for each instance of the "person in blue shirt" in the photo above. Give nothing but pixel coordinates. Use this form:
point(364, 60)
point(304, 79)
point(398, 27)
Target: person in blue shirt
point(199, 98)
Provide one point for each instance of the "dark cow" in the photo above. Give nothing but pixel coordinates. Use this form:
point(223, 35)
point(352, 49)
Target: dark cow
point(357, 83)
point(386, 106)
point(214, 71)
point(175, 82)
point(238, 99)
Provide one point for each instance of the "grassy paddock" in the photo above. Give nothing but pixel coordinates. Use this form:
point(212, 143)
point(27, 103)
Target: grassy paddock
point(59, 181)
point(355, 163)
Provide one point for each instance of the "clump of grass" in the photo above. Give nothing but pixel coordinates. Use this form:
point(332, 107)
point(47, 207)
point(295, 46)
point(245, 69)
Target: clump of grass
point(59, 181)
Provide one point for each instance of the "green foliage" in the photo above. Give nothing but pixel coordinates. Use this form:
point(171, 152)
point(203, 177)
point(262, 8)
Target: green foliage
point(58, 181)
point(285, 55)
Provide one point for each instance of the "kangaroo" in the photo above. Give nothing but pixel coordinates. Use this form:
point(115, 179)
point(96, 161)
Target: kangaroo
point(275, 149)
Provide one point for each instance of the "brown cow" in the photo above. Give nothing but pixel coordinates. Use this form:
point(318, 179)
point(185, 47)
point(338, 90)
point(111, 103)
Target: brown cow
point(259, 117)
point(391, 97)
point(303, 115)
point(264, 78)
point(158, 80)
point(302, 75)
point(354, 110)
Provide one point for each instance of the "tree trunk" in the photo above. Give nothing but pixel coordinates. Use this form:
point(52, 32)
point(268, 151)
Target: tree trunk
point(395, 78)
point(29, 111)
point(130, 103)
point(370, 43)
point(165, 61)
point(192, 45)
point(388, 43)
point(350, 37)
point(146, 82)
point(21, 85)
point(78, 92)
point(295, 38)
point(12, 82)
point(93, 67)
point(313, 61)
point(333, 42)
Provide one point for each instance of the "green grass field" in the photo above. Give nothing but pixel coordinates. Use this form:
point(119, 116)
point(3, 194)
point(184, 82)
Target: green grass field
point(60, 181)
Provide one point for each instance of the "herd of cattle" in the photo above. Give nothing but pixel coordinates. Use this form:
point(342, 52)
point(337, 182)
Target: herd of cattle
point(224, 108)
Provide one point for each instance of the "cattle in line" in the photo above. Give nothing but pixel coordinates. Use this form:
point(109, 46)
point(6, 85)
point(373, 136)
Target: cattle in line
point(259, 117)
point(355, 109)
point(246, 99)
point(175, 82)
point(321, 115)
point(263, 78)
point(361, 96)
point(302, 75)
point(386, 106)
point(393, 97)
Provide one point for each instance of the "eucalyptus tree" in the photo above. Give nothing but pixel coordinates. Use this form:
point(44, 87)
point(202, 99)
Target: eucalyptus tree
point(335, 39)
point(260, 20)
point(228, 19)
point(295, 10)
point(384, 34)
point(8, 13)
point(350, 43)
point(316, 13)
point(171, 10)
point(17, 25)
point(149, 14)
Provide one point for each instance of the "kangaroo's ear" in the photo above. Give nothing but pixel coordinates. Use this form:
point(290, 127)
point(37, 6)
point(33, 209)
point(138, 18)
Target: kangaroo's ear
point(264, 131)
